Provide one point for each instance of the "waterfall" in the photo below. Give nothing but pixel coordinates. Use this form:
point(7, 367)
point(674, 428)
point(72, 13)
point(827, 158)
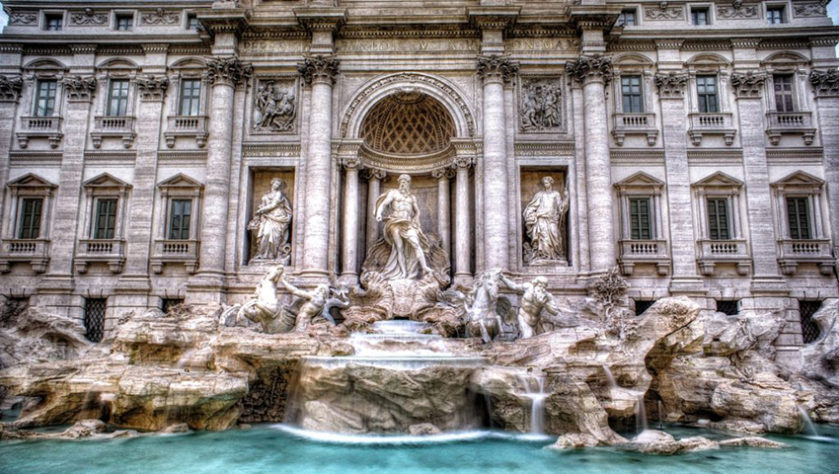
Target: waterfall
point(660, 418)
point(610, 377)
point(640, 416)
point(809, 426)
point(535, 392)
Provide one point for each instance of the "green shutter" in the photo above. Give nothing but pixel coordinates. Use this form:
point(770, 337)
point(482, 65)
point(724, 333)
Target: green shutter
point(718, 228)
point(106, 219)
point(180, 212)
point(798, 214)
point(30, 218)
point(640, 222)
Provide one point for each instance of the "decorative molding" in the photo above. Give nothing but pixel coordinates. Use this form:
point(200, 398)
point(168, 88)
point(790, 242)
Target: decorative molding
point(79, 88)
point(825, 83)
point(152, 88)
point(637, 157)
point(806, 10)
point(88, 17)
point(160, 17)
point(715, 157)
point(88, 48)
point(745, 43)
point(10, 87)
point(551, 149)
point(795, 156)
point(228, 71)
point(671, 85)
point(737, 11)
point(497, 68)
point(748, 85)
point(155, 48)
point(590, 68)
point(26, 18)
point(271, 150)
point(319, 69)
point(664, 13)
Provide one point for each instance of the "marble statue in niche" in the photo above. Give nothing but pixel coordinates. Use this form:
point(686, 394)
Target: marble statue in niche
point(544, 221)
point(272, 223)
point(399, 210)
point(275, 107)
point(540, 105)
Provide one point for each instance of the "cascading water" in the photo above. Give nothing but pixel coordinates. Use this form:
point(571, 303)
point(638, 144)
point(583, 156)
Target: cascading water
point(809, 426)
point(535, 392)
point(640, 416)
point(610, 377)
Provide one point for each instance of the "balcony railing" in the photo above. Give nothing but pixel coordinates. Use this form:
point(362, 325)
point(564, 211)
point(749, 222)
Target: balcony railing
point(780, 123)
point(655, 252)
point(186, 126)
point(40, 127)
point(34, 251)
point(635, 124)
point(794, 252)
point(109, 251)
point(118, 126)
point(717, 123)
point(175, 251)
point(712, 252)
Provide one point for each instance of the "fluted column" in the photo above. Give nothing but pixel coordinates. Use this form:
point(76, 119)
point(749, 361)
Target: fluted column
point(594, 72)
point(463, 233)
point(495, 71)
point(319, 72)
point(443, 224)
point(826, 89)
point(349, 250)
point(224, 75)
point(374, 188)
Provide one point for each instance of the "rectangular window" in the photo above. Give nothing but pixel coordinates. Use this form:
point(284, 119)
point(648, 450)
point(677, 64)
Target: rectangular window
point(53, 21)
point(117, 97)
point(192, 22)
point(30, 218)
point(809, 329)
point(633, 102)
point(180, 212)
point(728, 307)
point(168, 303)
point(627, 17)
point(190, 97)
point(775, 15)
point(700, 16)
point(105, 220)
point(718, 228)
point(640, 219)
point(706, 91)
point(124, 22)
point(783, 92)
point(798, 214)
point(45, 98)
point(94, 318)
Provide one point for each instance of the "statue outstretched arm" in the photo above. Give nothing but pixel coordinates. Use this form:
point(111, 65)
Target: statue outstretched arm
point(294, 290)
point(511, 284)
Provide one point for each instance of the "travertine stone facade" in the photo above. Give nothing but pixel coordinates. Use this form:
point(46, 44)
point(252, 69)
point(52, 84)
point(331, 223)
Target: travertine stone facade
point(703, 160)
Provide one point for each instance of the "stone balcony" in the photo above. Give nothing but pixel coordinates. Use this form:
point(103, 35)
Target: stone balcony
point(714, 252)
point(175, 251)
point(635, 124)
point(653, 252)
point(790, 123)
point(117, 126)
point(34, 251)
point(791, 253)
point(39, 127)
point(108, 251)
point(718, 123)
point(191, 126)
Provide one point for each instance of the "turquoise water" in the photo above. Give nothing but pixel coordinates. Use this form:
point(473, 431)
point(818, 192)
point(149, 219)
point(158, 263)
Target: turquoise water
point(268, 449)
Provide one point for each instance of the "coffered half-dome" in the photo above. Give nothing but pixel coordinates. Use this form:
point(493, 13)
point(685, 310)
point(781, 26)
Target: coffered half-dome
point(408, 123)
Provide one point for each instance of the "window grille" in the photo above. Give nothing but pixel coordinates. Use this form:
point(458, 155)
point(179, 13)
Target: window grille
point(809, 329)
point(169, 303)
point(94, 318)
point(13, 307)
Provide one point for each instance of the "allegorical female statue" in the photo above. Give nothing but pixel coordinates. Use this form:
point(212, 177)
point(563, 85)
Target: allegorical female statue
point(272, 222)
point(544, 220)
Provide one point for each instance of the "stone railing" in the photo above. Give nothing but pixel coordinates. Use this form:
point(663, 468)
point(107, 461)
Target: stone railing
point(712, 252)
point(40, 127)
point(791, 253)
point(34, 251)
point(780, 123)
point(108, 251)
point(717, 123)
point(194, 126)
point(175, 251)
point(119, 126)
point(637, 124)
point(655, 252)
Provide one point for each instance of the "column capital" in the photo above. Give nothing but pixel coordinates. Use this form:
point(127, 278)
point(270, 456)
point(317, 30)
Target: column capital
point(463, 161)
point(748, 85)
point(587, 69)
point(497, 68)
point(79, 88)
point(442, 173)
point(825, 83)
point(228, 70)
point(351, 163)
point(671, 85)
point(372, 173)
point(10, 87)
point(152, 88)
point(319, 68)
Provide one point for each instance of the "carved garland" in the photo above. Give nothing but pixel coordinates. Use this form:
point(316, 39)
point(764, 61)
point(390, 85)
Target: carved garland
point(79, 88)
point(671, 85)
point(10, 88)
point(737, 10)
point(318, 68)
point(590, 68)
point(748, 85)
point(228, 70)
point(160, 17)
point(88, 17)
point(825, 83)
point(497, 67)
point(152, 88)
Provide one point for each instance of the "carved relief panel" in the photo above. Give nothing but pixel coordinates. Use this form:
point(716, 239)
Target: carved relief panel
point(541, 104)
point(275, 104)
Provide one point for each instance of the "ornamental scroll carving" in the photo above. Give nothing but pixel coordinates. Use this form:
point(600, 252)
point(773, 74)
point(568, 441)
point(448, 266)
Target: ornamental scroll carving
point(10, 88)
point(23, 18)
point(748, 85)
point(275, 106)
point(152, 88)
point(160, 17)
point(319, 68)
point(664, 13)
point(88, 17)
point(497, 67)
point(541, 104)
point(737, 11)
point(671, 85)
point(228, 70)
point(79, 88)
point(825, 83)
point(806, 10)
point(590, 67)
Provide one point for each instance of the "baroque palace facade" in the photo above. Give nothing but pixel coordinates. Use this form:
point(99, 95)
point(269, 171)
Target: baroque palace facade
point(154, 152)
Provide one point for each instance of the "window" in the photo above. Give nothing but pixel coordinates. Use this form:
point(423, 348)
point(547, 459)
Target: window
point(190, 97)
point(728, 307)
point(180, 212)
point(631, 93)
point(105, 219)
point(168, 303)
point(809, 329)
point(123, 21)
point(45, 98)
point(798, 214)
point(192, 22)
point(53, 21)
point(12, 309)
point(627, 17)
point(775, 14)
point(700, 16)
point(640, 222)
point(30, 218)
point(718, 224)
point(642, 305)
point(94, 318)
point(117, 97)
point(706, 90)
point(783, 92)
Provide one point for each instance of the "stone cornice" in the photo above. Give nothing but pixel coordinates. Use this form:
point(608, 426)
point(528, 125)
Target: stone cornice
point(745, 43)
point(497, 68)
point(314, 69)
point(10, 87)
point(228, 70)
point(748, 85)
point(590, 68)
point(79, 88)
point(671, 85)
point(594, 17)
point(152, 88)
point(825, 83)
point(321, 18)
point(83, 48)
point(155, 48)
point(227, 20)
point(494, 17)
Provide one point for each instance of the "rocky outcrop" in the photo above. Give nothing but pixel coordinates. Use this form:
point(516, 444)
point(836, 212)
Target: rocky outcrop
point(822, 356)
point(33, 336)
point(659, 442)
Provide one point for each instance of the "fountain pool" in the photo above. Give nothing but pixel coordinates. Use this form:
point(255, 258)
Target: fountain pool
point(270, 448)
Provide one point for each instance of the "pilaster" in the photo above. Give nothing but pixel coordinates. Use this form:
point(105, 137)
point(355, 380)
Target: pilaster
point(826, 90)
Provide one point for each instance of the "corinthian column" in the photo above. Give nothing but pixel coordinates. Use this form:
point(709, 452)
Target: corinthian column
point(443, 225)
point(374, 186)
point(462, 225)
point(319, 72)
point(495, 71)
point(224, 75)
point(594, 72)
point(349, 253)
point(826, 89)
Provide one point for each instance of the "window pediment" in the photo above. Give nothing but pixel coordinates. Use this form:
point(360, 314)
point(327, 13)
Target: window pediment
point(799, 182)
point(180, 180)
point(105, 182)
point(31, 181)
point(718, 180)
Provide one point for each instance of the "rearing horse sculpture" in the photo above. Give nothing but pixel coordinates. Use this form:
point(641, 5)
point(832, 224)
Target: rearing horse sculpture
point(482, 318)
